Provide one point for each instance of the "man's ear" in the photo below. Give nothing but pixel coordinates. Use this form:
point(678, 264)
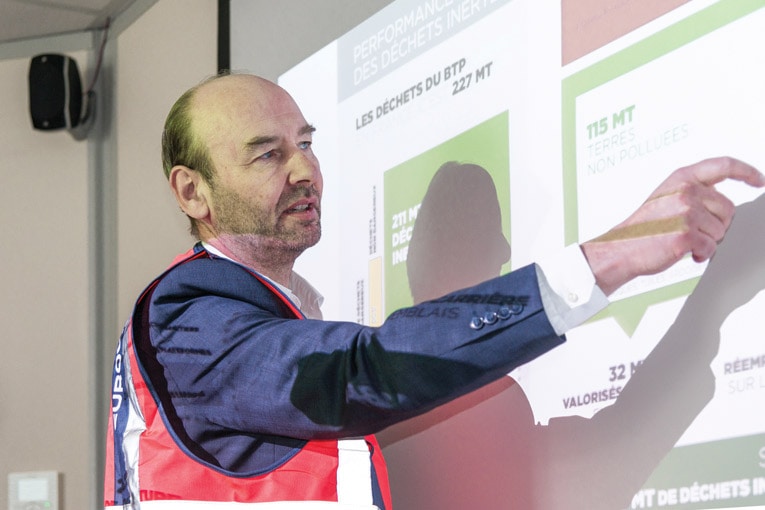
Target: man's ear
point(191, 191)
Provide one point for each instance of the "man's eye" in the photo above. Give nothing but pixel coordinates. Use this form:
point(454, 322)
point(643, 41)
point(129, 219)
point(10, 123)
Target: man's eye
point(305, 145)
point(267, 155)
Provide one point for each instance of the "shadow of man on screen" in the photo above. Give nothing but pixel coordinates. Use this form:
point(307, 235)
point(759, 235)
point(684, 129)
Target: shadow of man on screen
point(457, 238)
point(484, 450)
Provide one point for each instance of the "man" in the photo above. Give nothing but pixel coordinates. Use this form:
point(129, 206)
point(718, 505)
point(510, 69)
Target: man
point(226, 386)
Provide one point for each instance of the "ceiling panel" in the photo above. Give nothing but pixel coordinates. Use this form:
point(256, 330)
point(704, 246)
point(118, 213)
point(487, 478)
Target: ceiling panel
point(29, 19)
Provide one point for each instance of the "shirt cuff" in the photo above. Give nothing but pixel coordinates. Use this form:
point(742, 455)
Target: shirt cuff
point(569, 293)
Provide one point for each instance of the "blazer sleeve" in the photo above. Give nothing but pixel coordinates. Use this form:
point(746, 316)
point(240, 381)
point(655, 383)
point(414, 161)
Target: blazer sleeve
point(234, 360)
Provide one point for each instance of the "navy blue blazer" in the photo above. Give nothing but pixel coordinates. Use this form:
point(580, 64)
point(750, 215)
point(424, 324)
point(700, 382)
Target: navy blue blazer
point(244, 383)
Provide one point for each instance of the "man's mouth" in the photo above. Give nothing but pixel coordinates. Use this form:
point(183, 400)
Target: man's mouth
point(303, 208)
point(302, 202)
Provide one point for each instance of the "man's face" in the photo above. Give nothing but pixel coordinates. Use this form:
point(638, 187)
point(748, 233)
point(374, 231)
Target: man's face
point(266, 191)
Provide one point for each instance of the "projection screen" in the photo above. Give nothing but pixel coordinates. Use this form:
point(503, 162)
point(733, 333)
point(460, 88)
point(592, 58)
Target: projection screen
point(464, 138)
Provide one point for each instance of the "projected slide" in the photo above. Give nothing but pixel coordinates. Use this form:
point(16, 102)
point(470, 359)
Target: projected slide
point(460, 139)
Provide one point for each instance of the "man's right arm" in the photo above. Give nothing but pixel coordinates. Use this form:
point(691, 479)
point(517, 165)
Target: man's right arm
point(231, 358)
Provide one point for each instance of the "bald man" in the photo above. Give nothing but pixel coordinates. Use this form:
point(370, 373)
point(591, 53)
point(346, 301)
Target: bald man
point(228, 386)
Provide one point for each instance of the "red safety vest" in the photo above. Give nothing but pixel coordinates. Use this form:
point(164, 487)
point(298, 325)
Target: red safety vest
point(145, 462)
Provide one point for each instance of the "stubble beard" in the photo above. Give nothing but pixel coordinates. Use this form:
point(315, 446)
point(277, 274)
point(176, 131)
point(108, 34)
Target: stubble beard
point(250, 225)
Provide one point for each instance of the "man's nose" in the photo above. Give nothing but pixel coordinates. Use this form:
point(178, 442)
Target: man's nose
point(303, 167)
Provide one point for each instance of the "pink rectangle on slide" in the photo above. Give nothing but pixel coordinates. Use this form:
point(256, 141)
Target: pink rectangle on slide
point(589, 24)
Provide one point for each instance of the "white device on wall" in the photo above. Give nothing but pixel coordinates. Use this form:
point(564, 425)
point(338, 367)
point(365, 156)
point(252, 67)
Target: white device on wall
point(37, 490)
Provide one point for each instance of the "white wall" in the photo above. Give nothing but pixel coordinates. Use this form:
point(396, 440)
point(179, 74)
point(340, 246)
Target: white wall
point(44, 407)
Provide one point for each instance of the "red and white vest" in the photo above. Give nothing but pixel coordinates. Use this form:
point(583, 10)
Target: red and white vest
point(147, 468)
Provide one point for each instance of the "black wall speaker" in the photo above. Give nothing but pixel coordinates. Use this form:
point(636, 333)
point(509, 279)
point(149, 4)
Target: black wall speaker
point(55, 92)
